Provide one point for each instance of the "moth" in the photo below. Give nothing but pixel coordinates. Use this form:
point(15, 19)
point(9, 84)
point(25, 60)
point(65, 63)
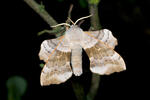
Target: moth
point(63, 55)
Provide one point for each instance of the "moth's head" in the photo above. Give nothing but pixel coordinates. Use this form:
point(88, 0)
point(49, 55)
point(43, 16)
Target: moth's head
point(74, 24)
point(73, 28)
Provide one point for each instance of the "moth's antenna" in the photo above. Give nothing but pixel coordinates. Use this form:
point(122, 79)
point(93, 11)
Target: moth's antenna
point(60, 25)
point(82, 18)
point(81, 22)
point(70, 20)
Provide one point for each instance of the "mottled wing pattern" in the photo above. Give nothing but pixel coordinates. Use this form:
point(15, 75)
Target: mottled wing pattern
point(103, 59)
point(105, 36)
point(56, 54)
point(57, 70)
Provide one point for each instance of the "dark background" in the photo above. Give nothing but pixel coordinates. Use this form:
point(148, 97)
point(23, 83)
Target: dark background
point(127, 19)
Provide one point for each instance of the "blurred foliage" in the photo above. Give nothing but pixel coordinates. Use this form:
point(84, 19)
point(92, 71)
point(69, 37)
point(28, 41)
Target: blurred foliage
point(16, 86)
point(135, 13)
point(94, 1)
point(60, 0)
point(83, 3)
point(41, 65)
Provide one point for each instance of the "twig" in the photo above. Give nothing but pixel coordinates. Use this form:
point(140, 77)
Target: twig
point(69, 14)
point(78, 90)
point(94, 87)
point(41, 11)
point(95, 21)
point(70, 10)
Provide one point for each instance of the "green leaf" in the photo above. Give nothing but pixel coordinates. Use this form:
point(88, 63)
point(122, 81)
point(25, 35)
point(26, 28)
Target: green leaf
point(16, 86)
point(42, 7)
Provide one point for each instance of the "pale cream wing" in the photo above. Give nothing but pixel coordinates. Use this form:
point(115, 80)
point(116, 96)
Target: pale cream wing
point(103, 59)
point(105, 36)
point(49, 46)
point(56, 54)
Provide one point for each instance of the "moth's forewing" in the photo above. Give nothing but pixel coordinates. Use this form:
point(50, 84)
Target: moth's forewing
point(105, 36)
point(56, 54)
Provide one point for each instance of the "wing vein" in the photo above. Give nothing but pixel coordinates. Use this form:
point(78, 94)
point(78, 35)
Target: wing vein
point(55, 48)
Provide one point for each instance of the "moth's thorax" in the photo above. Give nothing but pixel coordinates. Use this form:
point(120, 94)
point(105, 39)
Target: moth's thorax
point(74, 35)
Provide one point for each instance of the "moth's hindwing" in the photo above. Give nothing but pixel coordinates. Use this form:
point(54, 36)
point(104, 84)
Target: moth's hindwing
point(57, 70)
point(103, 59)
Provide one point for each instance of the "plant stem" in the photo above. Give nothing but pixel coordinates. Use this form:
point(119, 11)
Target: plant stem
point(41, 11)
point(79, 91)
point(94, 87)
point(95, 21)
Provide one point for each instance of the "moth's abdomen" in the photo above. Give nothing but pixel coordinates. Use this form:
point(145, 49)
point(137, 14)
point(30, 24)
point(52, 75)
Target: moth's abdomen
point(76, 60)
